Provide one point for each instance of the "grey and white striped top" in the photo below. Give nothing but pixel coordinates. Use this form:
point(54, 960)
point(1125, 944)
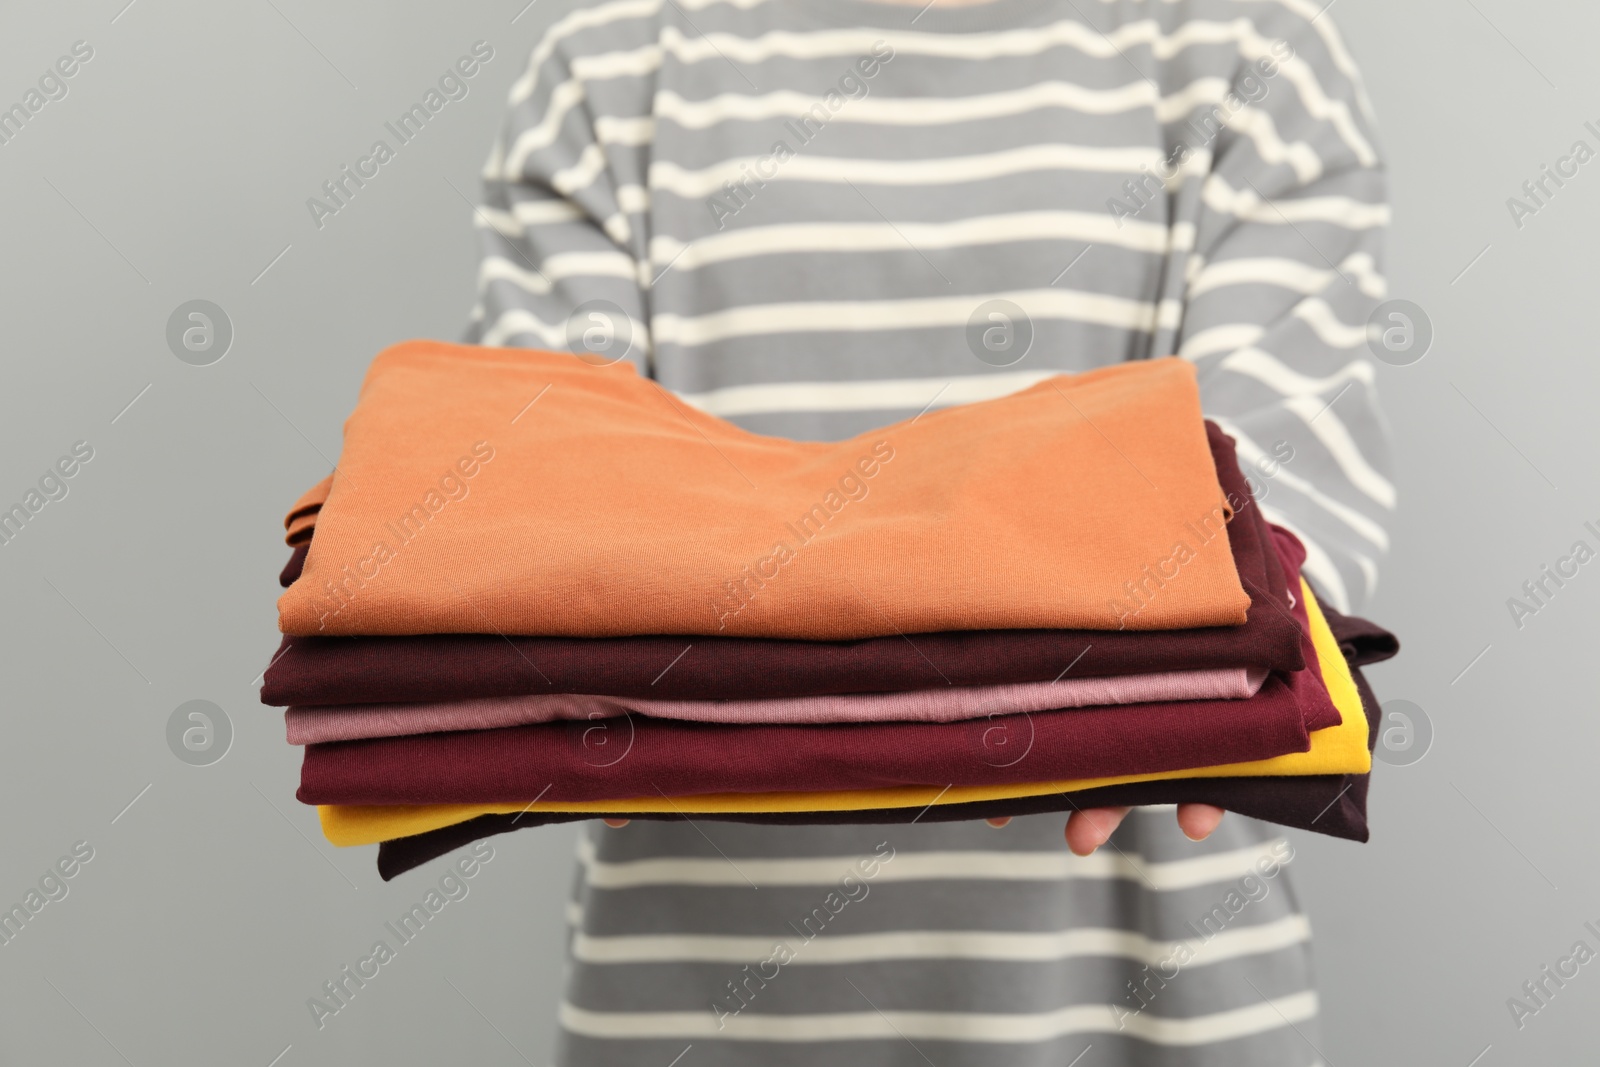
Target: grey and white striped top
point(798, 214)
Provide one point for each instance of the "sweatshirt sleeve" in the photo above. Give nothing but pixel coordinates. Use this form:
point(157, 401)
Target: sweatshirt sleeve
point(1286, 269)
point(561, 226)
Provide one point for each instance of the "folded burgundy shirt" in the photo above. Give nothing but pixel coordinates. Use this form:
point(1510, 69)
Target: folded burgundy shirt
point(373, 670)
point(636, 756)
point(1332, 804)
point(639, 756)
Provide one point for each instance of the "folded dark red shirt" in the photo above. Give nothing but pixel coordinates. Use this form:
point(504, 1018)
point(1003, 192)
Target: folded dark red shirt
point(563, 761)
point(367, 670)
point(641, 756)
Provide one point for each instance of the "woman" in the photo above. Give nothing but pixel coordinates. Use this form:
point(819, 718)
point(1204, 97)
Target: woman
point(817, 216)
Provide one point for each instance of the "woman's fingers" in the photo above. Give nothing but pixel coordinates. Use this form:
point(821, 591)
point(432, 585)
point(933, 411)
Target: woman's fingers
point(614, 823)
point(1087, 830)
point(1090, 828)
point(1198, 820)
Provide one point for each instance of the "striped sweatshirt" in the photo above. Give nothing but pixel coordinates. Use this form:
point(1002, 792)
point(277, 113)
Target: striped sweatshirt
point(813, 217)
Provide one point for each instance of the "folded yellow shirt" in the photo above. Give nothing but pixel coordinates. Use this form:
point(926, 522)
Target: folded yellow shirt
point(1338, 749)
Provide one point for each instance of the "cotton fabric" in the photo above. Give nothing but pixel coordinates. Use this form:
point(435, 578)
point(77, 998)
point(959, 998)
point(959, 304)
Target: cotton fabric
point(643, 757)
point(1342, 749)
point(595, 763)
point(1331, 804)
point(357, 670)
point(313, 725)
point(550, 468)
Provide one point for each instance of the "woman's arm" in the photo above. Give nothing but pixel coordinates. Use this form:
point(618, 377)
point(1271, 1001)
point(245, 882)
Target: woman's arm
point(562, 228)
point(1285, 269)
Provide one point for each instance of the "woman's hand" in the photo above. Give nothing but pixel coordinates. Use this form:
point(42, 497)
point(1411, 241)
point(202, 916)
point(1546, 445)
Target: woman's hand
point(1089, 828)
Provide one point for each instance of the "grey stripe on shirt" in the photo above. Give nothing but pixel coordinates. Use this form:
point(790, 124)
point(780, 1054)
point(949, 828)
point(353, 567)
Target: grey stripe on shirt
point(759, 231)
point(798, 206)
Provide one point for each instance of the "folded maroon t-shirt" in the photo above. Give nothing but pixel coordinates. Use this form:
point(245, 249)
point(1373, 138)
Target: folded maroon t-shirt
point(1332, 804)
point(638, 756)
point(370, 670)
point(642, 756)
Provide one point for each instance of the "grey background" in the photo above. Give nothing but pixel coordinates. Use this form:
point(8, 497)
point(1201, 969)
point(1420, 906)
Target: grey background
point(177, 168)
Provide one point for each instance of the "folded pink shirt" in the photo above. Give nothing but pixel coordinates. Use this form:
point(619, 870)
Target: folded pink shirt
point(348, 722)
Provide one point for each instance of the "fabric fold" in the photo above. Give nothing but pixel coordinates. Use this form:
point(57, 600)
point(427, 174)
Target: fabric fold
point(519, 492)
point(639, 757)
point(1331, 804)
point(314, 725)
point(360, 670)
point(1336, 751)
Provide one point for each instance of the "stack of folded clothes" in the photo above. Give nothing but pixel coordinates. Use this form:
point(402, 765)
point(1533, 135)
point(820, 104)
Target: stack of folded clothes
point(537, 590)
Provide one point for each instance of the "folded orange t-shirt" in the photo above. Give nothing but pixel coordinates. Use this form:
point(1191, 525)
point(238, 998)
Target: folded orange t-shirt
point(518, 492)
